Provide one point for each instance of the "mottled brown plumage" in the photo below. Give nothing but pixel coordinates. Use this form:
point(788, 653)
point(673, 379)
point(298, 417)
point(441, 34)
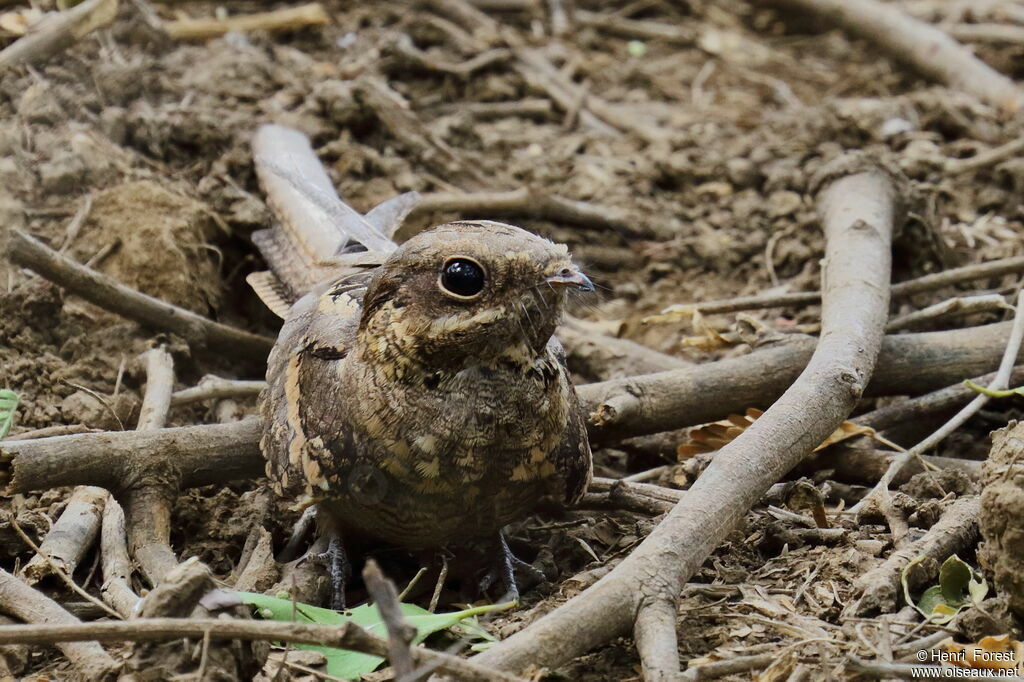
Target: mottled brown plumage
point(415, 414)
point(421, 419)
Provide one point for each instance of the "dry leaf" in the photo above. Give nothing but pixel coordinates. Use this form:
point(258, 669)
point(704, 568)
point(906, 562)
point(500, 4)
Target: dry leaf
point(714, 436)
point(992, 653)
point(846, 430)
point(18, 22)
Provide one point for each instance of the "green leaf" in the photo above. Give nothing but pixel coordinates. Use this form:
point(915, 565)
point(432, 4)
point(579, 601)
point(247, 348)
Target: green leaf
point(958, 585)
point(985, 390)
point(352, 664)
point(8, 404)
point(954, 575)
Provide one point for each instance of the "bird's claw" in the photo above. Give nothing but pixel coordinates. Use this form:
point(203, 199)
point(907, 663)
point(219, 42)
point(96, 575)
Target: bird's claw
point(503, 572)
point(338, 569)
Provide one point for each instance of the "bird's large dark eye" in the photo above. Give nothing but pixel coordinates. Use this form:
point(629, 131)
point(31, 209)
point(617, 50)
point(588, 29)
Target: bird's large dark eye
point(462, 277)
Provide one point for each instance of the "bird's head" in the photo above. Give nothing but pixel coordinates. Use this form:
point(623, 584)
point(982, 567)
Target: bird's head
point(472, 290)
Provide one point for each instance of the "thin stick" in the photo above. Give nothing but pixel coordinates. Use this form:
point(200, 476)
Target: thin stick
point(116, 564)
point(71, 536)
point(148, 501)
point(346, 636)
point(75, 226)
point(964, 305)
point(618, 25)
point(996, 268)
point(204, 455)
point(937, 401)
point(156, 402)
point(988, 33)
point(656, 642)
point(400, 632)
point(663, 401)
point(111, 295)
point(58, 32)
point(215, 388)
point(730, 666)
point(287, 19)
point(985, 158)
point(999, 383)
point(439, 585)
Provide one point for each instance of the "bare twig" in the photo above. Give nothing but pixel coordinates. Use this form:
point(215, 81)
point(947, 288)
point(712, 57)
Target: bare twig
point(70, 537)
point(597, 114)
point(897, 671)
point(529, 108)
point(931, 403)
point(51, 431)
point(985, 158)
point(986, 33)
point(31, 606)
point(634, 28)
point(58, 31)
point(346, 636)
point(404, 47)
point(996, 268)
point(156, 402)
point(117, 566)
point(286, 19)
point(999, 382)
point(148, 502)
point(964, 305)
point(400, 632)
point(729, 666)
point(858, 213)
point(75, 226)
point(111, 295)
point(858, 465)
point(394, 112)
point(117, 460)
point(931, 51)
point(597, 356)
point(215, 388)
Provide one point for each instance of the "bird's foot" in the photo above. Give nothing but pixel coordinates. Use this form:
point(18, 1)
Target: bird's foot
point(503, 572)
point(338, 569)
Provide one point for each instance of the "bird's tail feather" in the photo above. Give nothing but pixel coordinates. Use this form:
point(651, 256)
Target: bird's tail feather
point(317, 233)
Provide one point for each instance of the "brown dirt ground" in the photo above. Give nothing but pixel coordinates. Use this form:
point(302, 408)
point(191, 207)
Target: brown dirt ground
point(155, 134)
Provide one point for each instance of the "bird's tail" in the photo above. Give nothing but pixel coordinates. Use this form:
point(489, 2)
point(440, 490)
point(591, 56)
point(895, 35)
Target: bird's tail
point(316, 235)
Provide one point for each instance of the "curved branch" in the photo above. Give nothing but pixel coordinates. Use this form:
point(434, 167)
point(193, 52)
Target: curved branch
point(109, 294)
point(858, 213)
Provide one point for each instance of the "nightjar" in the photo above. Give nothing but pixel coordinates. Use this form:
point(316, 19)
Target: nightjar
point(416, 393)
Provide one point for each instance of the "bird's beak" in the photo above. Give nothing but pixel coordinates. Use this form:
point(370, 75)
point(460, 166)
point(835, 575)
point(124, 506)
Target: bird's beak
point(570, 276)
